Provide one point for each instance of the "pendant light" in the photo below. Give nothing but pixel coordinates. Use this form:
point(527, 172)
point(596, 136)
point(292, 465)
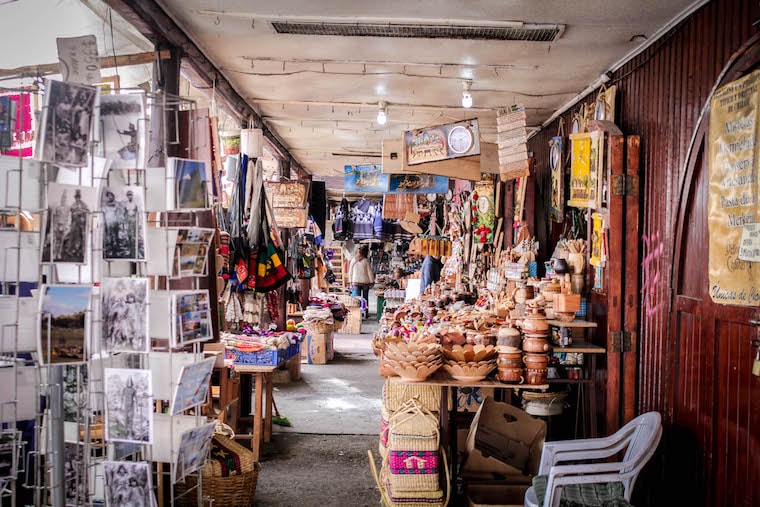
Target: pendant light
point(382, 115)
point(466, 95)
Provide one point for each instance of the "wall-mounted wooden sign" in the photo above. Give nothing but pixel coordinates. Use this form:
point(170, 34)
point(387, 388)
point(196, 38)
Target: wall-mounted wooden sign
point(287, 194)
point(290, 218)
point(464, 168)
point(444, 142)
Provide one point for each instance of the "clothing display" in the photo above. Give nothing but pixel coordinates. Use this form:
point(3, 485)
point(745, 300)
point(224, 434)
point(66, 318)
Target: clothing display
point(366, 217)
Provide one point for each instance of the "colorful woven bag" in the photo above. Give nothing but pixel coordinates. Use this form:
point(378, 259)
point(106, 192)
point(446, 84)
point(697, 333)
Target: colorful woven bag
point(413, 441)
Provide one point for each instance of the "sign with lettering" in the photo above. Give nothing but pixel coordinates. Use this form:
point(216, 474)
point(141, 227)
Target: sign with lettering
point(78, 57)
point(461, 139)
point(287, 194)
point(734, 276)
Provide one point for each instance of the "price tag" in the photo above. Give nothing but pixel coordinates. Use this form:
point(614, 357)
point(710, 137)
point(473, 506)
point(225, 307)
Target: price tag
point(78, 57)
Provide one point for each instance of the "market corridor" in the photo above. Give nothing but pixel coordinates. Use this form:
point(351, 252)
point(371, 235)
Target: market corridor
point(321, 460)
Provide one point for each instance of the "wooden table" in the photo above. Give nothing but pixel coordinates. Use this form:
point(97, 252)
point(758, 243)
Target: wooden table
point(262, 411)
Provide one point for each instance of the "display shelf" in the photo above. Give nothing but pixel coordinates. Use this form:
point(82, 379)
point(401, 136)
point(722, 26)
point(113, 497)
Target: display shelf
point(577, 323)
point(443, 379)
point(581, 346)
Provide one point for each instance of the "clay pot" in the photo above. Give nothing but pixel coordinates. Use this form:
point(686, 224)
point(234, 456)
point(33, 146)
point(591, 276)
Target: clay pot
point(535, 360)
point(522, 293)
point(510, 362)
point(535, 324)
point(550, 289)
point(532, 344)
point(508, 336)
point(510, 375)
point(536, 376)
point(560, 266)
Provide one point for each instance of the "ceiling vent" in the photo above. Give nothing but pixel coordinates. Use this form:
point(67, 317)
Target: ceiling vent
point(519, 32)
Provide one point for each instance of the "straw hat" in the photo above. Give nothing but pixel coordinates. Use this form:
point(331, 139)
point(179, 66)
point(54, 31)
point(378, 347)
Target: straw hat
point(409, 223)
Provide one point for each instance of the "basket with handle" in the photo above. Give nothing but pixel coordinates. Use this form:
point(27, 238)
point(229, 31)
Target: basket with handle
point(409, 499)
point(396, 395)
point(413, 441)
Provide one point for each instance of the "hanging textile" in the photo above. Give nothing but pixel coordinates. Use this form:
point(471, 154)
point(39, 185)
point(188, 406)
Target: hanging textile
point(270, 270)
point(342, 227)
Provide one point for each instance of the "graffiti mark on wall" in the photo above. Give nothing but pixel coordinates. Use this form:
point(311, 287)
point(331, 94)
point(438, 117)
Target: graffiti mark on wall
point(650, 268)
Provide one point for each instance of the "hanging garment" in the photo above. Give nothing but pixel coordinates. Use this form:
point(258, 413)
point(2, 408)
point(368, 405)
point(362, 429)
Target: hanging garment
point(362, 214)
point(342, 226)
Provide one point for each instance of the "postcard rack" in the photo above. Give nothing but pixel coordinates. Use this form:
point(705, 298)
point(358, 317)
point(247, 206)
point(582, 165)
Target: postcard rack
point(107, 399)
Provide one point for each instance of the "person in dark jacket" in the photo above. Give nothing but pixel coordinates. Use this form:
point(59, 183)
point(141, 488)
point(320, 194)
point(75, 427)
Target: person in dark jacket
point(431, 272)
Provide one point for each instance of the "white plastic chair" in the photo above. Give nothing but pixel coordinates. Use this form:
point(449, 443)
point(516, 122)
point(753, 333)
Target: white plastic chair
point(639, 438)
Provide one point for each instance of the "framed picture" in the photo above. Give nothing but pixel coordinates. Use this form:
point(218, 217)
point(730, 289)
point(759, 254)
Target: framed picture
point(67, 118)
point(124, 224)
point(193, 385)
point(64, 323)
point(129, 405)
point(454, 140)
point(586, 149)
point(192, 312)
point(124, 308)
point(128, 484)
point(67, 223)
point(123, 136)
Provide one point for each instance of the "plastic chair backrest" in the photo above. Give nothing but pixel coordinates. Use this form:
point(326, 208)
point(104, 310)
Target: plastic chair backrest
point(644, 434)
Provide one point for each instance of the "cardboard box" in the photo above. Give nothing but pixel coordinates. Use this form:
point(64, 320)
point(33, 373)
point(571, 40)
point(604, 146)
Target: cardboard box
point(496, 495)
point(320, 347)
point(504, 442)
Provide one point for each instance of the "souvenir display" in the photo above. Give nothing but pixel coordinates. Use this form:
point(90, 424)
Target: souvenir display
point(123, 213)
point(67, 224)
point(194, 446)
point(123, 134)
point(128, 484)
point(124, 307)
point(193, 386)
point(129, 405)
point(190, 180)
point(191, 251)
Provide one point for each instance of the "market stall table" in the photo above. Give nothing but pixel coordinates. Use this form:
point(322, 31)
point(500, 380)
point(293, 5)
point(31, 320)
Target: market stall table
point(262, 410)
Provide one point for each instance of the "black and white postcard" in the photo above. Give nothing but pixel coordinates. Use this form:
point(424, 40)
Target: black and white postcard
point(123, 135)
point(128, 484)
point(193, 317)
point(124, 306)
point(74, 477)
point(193, 450)
point(68, 115)
point(67, 223)
point(123, 210)
point(75, 393)
point(64, 323)
point(193, 385)
point(129, 405)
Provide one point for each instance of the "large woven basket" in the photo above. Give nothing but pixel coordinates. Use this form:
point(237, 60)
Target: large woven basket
point(236, 490)
point(413, 458)
point(349, 301)
point(319, 326)
point(397, 395)
point(385, 416)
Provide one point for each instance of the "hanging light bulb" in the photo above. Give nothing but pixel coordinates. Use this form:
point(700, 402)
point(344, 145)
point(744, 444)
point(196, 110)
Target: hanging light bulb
point(466, 95)
point(382, 115)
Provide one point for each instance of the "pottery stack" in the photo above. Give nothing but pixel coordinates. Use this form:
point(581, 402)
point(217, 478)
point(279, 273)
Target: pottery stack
point(510, 364)
point(535, 346)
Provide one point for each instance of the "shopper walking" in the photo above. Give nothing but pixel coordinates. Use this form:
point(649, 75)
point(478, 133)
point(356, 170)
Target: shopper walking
point(360, 276)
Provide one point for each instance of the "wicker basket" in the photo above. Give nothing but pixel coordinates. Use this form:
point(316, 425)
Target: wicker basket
point(349, 301)
point(319, 326)
point(236, 490)
point(413, 459)
point(385, 416)
point(396, 395)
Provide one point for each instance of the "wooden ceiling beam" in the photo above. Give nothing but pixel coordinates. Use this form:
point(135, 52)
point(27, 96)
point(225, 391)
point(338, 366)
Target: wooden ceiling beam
point(156, 25)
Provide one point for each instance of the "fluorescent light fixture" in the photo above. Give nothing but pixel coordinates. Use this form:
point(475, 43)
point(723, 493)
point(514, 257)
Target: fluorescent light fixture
point(466, 95)
point(382, 115)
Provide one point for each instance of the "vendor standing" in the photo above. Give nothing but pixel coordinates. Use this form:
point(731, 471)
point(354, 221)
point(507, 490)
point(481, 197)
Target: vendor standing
point(431, 272)
point(360, 275)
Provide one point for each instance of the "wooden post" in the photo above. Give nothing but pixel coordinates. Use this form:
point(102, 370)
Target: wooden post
point(632, 266)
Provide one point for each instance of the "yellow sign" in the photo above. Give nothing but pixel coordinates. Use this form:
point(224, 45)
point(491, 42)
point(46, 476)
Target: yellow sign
point(733, 200)
point(584, 168)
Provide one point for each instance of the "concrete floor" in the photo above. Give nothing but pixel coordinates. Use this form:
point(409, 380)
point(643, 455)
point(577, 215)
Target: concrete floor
point(335, 414)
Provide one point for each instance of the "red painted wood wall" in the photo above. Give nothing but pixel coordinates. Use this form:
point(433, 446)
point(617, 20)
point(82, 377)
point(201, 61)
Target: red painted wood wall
point(660, 95)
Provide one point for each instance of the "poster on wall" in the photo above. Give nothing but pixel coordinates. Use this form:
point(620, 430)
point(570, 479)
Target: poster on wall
point(732, 202)
point(418, 184)
point(586, 158)
point(557, 208)
point(444, 142)
point(365, 178)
